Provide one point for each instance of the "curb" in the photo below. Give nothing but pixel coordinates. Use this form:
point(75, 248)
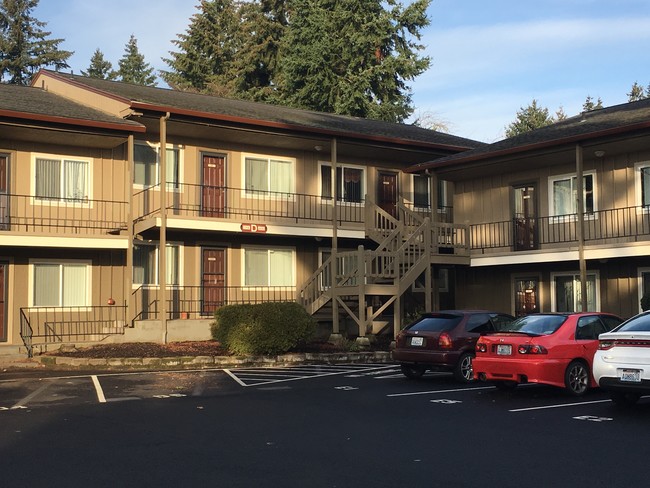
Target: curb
point(198, 362)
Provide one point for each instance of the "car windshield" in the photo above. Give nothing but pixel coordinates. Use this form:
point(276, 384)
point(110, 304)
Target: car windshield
point(436, 323)
point(638, 324)
point(536, 324)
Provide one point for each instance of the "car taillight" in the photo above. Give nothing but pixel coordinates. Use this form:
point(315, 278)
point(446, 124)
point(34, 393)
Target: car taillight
point(604, 345)
point(531, 349)
point(444, 341)
point(481, 347)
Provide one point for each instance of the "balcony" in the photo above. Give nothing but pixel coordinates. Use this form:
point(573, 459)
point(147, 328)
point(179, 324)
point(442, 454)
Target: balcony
point(28, 213)
point(603, 227)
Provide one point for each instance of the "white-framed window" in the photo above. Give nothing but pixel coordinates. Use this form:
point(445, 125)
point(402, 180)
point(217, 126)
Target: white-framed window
point(268, 267)
point(422, 193)
point(566, 292)
point(146, 162)
point(644, 284)
point(146, 264)
point(61, 178)
point(642, 184)
point(60, 283)
point(350, 182)
point(563, 194)
point(268, 175)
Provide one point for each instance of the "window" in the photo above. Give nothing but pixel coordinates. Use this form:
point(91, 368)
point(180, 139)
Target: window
point(60, 284)
point(61, 179)
point(268, 267)
point(268, 175)
point(644, 285)
point(563, 192)
point(642, 183)
point(146, 166)
point(146, 264)
point(421, 191)
point(350, 183)
point(568, 290)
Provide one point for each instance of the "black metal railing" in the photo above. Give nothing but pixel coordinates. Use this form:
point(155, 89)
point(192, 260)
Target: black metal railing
point(52, 325)
point(191, 302)
point(627, 223)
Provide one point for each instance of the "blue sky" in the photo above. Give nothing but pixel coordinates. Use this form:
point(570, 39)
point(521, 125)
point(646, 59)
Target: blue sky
point(489, 57)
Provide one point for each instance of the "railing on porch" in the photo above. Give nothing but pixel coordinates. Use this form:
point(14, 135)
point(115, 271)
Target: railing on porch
point(628, 223)
point(200, 201)
point(191, 302)
point(29, 213)
point(40, 326)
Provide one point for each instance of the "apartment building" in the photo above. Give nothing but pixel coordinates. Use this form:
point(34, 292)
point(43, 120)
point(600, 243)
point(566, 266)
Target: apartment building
point(559, 217)
point(133, 213)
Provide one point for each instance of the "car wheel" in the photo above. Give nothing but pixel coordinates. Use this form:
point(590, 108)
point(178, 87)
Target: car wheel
point(624, 399)
point(413, 372)
point(463, 371)
point(505, 385)
point(576, 378)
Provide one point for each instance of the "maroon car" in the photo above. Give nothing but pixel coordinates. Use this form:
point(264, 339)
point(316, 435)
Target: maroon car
point(445, 340)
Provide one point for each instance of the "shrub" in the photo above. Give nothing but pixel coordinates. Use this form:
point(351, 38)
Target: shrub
point(265, 328)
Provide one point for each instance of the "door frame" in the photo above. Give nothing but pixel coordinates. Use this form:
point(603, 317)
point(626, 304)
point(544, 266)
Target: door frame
point(212, 247)
point(213, 212)
point(380, 182)
point(525, 228)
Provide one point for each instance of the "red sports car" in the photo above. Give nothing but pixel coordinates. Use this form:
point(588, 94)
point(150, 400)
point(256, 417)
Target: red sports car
point(553, 348)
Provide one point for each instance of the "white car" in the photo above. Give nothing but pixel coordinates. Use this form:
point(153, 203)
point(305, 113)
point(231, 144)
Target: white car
point(622, 362)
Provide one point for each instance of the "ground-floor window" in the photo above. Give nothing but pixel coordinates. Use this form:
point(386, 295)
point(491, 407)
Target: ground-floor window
point(146, 264)
point(526, 296)
point(567, 292)
point(268, 267)
point(644, 284)
point(60, 284)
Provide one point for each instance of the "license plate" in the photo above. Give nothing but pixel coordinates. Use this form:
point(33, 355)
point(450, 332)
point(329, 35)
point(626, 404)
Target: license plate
point(417, 341)
point(504, 349)
point(631, 375)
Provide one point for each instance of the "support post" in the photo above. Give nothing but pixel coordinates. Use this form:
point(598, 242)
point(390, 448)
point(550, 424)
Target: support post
point(336, 333)
point(162, 250)
point(580, 227)
point(128, 274)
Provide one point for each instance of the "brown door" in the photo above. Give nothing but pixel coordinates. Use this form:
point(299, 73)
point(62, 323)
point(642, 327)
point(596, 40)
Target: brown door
point(3, 302)
point(387, 193)
point(526, 299)
point(525, 218)
point(213, 283)
point(4, 190)
point(213, 192)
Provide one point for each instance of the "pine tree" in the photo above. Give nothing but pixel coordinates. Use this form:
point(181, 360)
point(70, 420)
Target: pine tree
point(590, 105)
point(99, 67)
point(24, 45)
point(529, 118)
point(560, 114)
point(636, 93)
point(353, 57)
point(208, 47)
point(132, 66)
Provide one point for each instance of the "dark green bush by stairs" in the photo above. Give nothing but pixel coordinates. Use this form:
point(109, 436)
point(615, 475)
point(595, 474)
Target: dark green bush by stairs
point(265, 328)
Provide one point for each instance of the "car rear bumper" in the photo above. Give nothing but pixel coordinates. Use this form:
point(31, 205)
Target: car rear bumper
point(441, 359)
point(615, 384)
point(550, 372)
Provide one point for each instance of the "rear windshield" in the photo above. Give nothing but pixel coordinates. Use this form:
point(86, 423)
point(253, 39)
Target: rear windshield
point(640, 323)
point(536, 324)
point(437, 323)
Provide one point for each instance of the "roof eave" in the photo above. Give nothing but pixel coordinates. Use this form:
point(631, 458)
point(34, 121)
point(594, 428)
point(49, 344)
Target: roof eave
point(72, 121)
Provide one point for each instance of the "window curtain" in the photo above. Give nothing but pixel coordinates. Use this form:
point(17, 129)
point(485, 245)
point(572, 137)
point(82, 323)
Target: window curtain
point(280, 268)
point(173, 168)
point(173, 265)
point(352, 185)
point(48, 178)
point(281, 179)
point(74, 285)
point(46, 285)
point(326, 181)
point(563, 197)
point(145, 165)
point(255, 267)
point(75, 179)
point(144, 265)
point(256, 174)
point(645, 186)
point(421, 191)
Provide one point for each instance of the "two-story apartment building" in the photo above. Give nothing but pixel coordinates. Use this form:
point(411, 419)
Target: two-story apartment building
point(559, 217)
point(132, 213)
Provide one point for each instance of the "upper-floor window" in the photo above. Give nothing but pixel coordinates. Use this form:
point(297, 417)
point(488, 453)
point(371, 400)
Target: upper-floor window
point(350, 183)
point(563, 194)
point(59, 178)
point(422, 193)
point(146, 264)
point(642, 183)
point(146, 161)
point(268, 267)
point(60, 284)
point(265, 174)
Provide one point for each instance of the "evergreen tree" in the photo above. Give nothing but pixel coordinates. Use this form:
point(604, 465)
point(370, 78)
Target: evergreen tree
point(24, 45)
point(590, 105)
point(352, 57)
point(636, 93)
point(132, 66)
point(99, 67)
point(560, 114)
point(529, 118)
point(208, 47)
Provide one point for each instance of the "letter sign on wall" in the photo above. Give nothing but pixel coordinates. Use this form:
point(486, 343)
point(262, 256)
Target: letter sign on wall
point(260, 228)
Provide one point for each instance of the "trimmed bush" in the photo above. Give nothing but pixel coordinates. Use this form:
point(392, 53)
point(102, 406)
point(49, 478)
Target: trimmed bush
point(265, 328)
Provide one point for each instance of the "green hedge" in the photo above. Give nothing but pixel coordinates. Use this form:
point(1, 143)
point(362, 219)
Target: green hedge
point(265, 328)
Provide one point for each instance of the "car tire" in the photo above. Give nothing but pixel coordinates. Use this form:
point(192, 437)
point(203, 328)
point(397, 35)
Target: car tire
point(577, 378)
point(412, 372)
point(622, 399)
point(463, 371)
point(505, 385)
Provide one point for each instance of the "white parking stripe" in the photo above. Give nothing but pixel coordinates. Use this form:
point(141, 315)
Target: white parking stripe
point(98, 389)
point(439, 391)
point(29, 397)
point(227, 371)
point(558, 406)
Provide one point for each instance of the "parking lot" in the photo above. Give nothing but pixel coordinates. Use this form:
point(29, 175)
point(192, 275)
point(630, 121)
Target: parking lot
point(318, 425)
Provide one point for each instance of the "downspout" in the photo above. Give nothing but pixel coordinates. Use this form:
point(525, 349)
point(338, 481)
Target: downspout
point(336, 334)
point(128, 278)
point(162, 250)
point(580, 222)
